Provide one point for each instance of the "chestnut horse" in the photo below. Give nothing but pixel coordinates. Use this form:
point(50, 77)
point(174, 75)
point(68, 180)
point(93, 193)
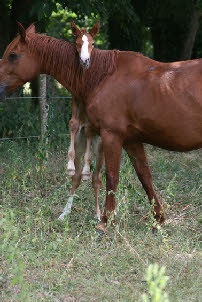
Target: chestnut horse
point(80, 139)
point(84, 46)
point(129, 99)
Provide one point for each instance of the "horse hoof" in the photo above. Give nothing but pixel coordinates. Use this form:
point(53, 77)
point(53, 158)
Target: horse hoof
point(85, 177)
point(101, 228)
point(62, 216)
point(100, 234)
point(160, 218)
point(70, 172)
point(154, 231)
point(97, 216)
point(70, 168)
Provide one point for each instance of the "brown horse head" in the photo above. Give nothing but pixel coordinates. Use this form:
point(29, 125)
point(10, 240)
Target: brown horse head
point(17, 66)
point(85, 42)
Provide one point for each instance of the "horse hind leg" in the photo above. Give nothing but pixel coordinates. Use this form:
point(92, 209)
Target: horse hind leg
point(112, 148)
point(90, 136)
point(87, 159)
point(138, 158)
point(97, 174)
point(73, 127)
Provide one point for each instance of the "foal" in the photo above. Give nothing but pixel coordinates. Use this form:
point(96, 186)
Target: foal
point(81, 134)
point(84, 46)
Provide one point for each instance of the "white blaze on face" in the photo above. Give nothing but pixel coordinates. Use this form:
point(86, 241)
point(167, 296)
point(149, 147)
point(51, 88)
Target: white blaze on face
point(84, 49)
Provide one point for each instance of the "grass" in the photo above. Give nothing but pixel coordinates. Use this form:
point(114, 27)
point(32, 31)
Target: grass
point(44, 259)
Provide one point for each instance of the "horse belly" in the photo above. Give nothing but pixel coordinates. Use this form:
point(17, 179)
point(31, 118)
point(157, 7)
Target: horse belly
point(172, 121)
point(171, 135)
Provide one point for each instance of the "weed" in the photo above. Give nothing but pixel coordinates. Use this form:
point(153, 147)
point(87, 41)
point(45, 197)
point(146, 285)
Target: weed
point(156, 282)
point(12, 258)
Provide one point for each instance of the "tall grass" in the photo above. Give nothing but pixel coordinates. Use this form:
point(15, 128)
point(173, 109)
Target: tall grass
point(44, 259)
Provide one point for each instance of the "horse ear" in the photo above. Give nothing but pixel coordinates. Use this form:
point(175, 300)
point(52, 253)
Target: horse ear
point(75, 30)
point(95, 29)
point(22, 32)
point(31, 29)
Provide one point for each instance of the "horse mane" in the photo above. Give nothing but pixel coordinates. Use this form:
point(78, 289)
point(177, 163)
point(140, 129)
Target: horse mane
point(102, 65)
point(62, 60)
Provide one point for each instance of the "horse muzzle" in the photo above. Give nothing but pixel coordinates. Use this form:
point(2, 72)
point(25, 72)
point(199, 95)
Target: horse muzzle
point(3, 89)
point(85, 64)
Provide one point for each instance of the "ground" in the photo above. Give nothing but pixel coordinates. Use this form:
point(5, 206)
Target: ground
point(44, 259)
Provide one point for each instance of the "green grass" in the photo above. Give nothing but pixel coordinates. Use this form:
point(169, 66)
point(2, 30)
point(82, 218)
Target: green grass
point(44, 259)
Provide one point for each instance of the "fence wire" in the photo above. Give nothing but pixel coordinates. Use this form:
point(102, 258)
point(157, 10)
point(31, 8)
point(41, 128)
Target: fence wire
point(37, 136)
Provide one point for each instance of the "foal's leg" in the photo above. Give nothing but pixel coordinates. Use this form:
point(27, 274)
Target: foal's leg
point(87, 159)
point(76, 178)
point(138, 158)
point(74, 125)
point(112, 146)
point(97, 174)
point(89, 134)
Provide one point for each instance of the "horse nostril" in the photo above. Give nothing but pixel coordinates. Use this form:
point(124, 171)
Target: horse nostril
point(87, 62)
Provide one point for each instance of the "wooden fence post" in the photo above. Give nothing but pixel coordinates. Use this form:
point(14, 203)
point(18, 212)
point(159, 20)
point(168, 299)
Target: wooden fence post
point(44, 108)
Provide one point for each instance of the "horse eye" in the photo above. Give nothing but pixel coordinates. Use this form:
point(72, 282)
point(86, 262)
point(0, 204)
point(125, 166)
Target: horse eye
point(93, 44)
point(12, 57)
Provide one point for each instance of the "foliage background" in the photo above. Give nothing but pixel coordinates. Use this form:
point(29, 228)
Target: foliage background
point(43, 259)
point(165, 30)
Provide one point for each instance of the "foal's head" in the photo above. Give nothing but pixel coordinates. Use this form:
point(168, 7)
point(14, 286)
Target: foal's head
point(85, 42)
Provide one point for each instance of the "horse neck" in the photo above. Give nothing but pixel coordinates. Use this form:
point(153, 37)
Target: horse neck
point(59, 59)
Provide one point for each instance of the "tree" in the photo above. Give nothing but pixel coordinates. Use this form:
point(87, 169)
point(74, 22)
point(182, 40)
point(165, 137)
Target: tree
point(195, 16)
point(173, 25)
point(4, 25)
point(24, 11)
point(124, 27)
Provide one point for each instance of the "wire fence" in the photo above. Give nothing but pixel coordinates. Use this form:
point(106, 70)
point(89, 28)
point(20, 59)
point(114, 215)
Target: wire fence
point(47, 110)
point(37, 132)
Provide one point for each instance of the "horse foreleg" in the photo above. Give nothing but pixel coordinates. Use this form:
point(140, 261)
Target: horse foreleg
point(112, 147)
point(76, 178)
point(97, 176)
point(139, 160)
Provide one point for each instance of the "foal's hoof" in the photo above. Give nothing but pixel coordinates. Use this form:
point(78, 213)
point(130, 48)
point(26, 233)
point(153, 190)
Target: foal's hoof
point(98, 216)
point(154, 230)
point(70, 172)
point(160, 218)
point(70, 168)
point(86, 176)
point(62, 216)
point(101, 227)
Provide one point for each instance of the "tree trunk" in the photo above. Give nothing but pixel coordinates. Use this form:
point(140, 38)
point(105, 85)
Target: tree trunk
point(167, 40)
point(4, 26)
point(20, 11)
point(124, 28)
point(191, 35)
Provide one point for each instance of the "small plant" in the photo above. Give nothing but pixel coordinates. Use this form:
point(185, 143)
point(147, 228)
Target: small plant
point(12, 256)
point(156, 282)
